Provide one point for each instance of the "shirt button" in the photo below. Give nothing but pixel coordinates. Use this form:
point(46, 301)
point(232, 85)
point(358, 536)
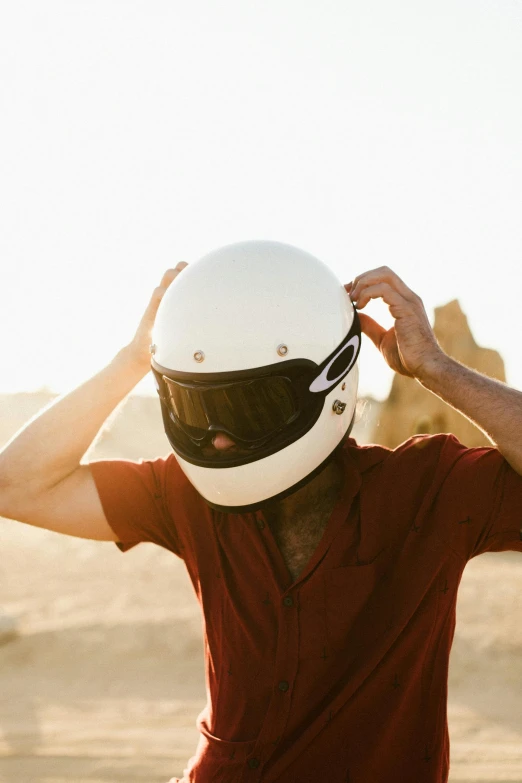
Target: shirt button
point(288, 600)
point(253, 763)
point(283, 686)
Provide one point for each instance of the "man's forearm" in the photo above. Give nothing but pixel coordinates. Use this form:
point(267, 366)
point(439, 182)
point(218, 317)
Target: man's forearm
point(490, 404)
point(51, 445)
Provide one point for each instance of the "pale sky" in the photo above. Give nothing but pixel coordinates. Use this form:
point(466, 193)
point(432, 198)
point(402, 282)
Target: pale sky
point(136, 134)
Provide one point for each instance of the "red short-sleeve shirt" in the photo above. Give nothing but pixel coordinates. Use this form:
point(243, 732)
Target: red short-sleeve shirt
point(342, 675)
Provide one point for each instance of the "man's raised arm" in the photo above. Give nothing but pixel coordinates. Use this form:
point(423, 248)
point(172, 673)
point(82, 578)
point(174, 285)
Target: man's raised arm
point(42, 480)
point(411, 348)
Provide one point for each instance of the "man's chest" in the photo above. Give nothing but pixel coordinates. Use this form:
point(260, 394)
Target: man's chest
point(298, 539)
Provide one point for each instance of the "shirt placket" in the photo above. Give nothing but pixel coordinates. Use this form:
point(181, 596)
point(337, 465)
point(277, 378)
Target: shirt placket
point(285, 673)
point(287, 651)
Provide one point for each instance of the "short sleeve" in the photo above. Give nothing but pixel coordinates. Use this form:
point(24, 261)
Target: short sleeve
point(135, 498)
point(480, 500)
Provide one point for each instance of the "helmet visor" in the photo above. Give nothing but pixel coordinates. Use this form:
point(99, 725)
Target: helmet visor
point(248, 410)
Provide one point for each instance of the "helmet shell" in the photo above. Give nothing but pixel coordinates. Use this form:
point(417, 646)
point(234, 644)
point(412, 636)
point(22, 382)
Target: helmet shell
point(233, 309)
point(238, 304)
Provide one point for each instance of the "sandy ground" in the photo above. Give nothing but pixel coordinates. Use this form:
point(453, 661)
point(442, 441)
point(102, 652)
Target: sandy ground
point(105, 680)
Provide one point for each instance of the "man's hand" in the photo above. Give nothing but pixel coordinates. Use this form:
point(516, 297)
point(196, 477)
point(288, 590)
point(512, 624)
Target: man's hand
point(410, 346)
point(139, 347)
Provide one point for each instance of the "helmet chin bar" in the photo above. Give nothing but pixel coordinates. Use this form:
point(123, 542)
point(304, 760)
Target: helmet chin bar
point(287, 492)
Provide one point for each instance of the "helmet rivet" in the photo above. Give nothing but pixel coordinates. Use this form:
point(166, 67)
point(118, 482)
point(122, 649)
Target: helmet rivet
point(343, 387)
point(338, 407)
point(282, 349)
point(152, 349)
point(199, 356)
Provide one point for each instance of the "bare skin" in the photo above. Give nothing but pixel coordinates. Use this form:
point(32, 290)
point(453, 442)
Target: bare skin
point(299, 520)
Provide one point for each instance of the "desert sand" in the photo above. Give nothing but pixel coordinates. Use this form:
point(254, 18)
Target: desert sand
point(104, 680)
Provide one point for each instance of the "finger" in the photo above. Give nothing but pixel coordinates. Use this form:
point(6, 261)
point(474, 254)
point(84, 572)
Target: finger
point(171, 274)
point(382, 274)
point(149, 315)
point(372, 279)
point(379, 291)
point(147, 320)
point(372, 329)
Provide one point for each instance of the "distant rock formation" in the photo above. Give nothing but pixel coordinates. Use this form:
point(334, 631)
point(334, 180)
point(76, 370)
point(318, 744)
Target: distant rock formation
point(411, 410)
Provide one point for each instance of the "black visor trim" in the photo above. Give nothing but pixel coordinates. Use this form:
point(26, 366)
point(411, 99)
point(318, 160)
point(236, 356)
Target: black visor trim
point(336, 366)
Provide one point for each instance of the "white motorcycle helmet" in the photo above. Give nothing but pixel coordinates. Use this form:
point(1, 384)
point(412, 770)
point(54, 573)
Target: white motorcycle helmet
point(258, 340)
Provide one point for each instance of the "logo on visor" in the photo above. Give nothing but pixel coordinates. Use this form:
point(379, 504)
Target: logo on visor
point(338, 366)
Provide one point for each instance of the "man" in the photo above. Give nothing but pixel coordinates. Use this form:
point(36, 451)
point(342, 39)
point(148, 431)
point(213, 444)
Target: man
point(327, 572)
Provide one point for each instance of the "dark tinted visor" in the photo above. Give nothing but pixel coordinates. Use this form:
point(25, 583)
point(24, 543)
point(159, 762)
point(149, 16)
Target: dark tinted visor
point(248, 410)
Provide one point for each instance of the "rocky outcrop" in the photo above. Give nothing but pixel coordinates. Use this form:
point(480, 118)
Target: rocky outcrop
point(411, 410)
